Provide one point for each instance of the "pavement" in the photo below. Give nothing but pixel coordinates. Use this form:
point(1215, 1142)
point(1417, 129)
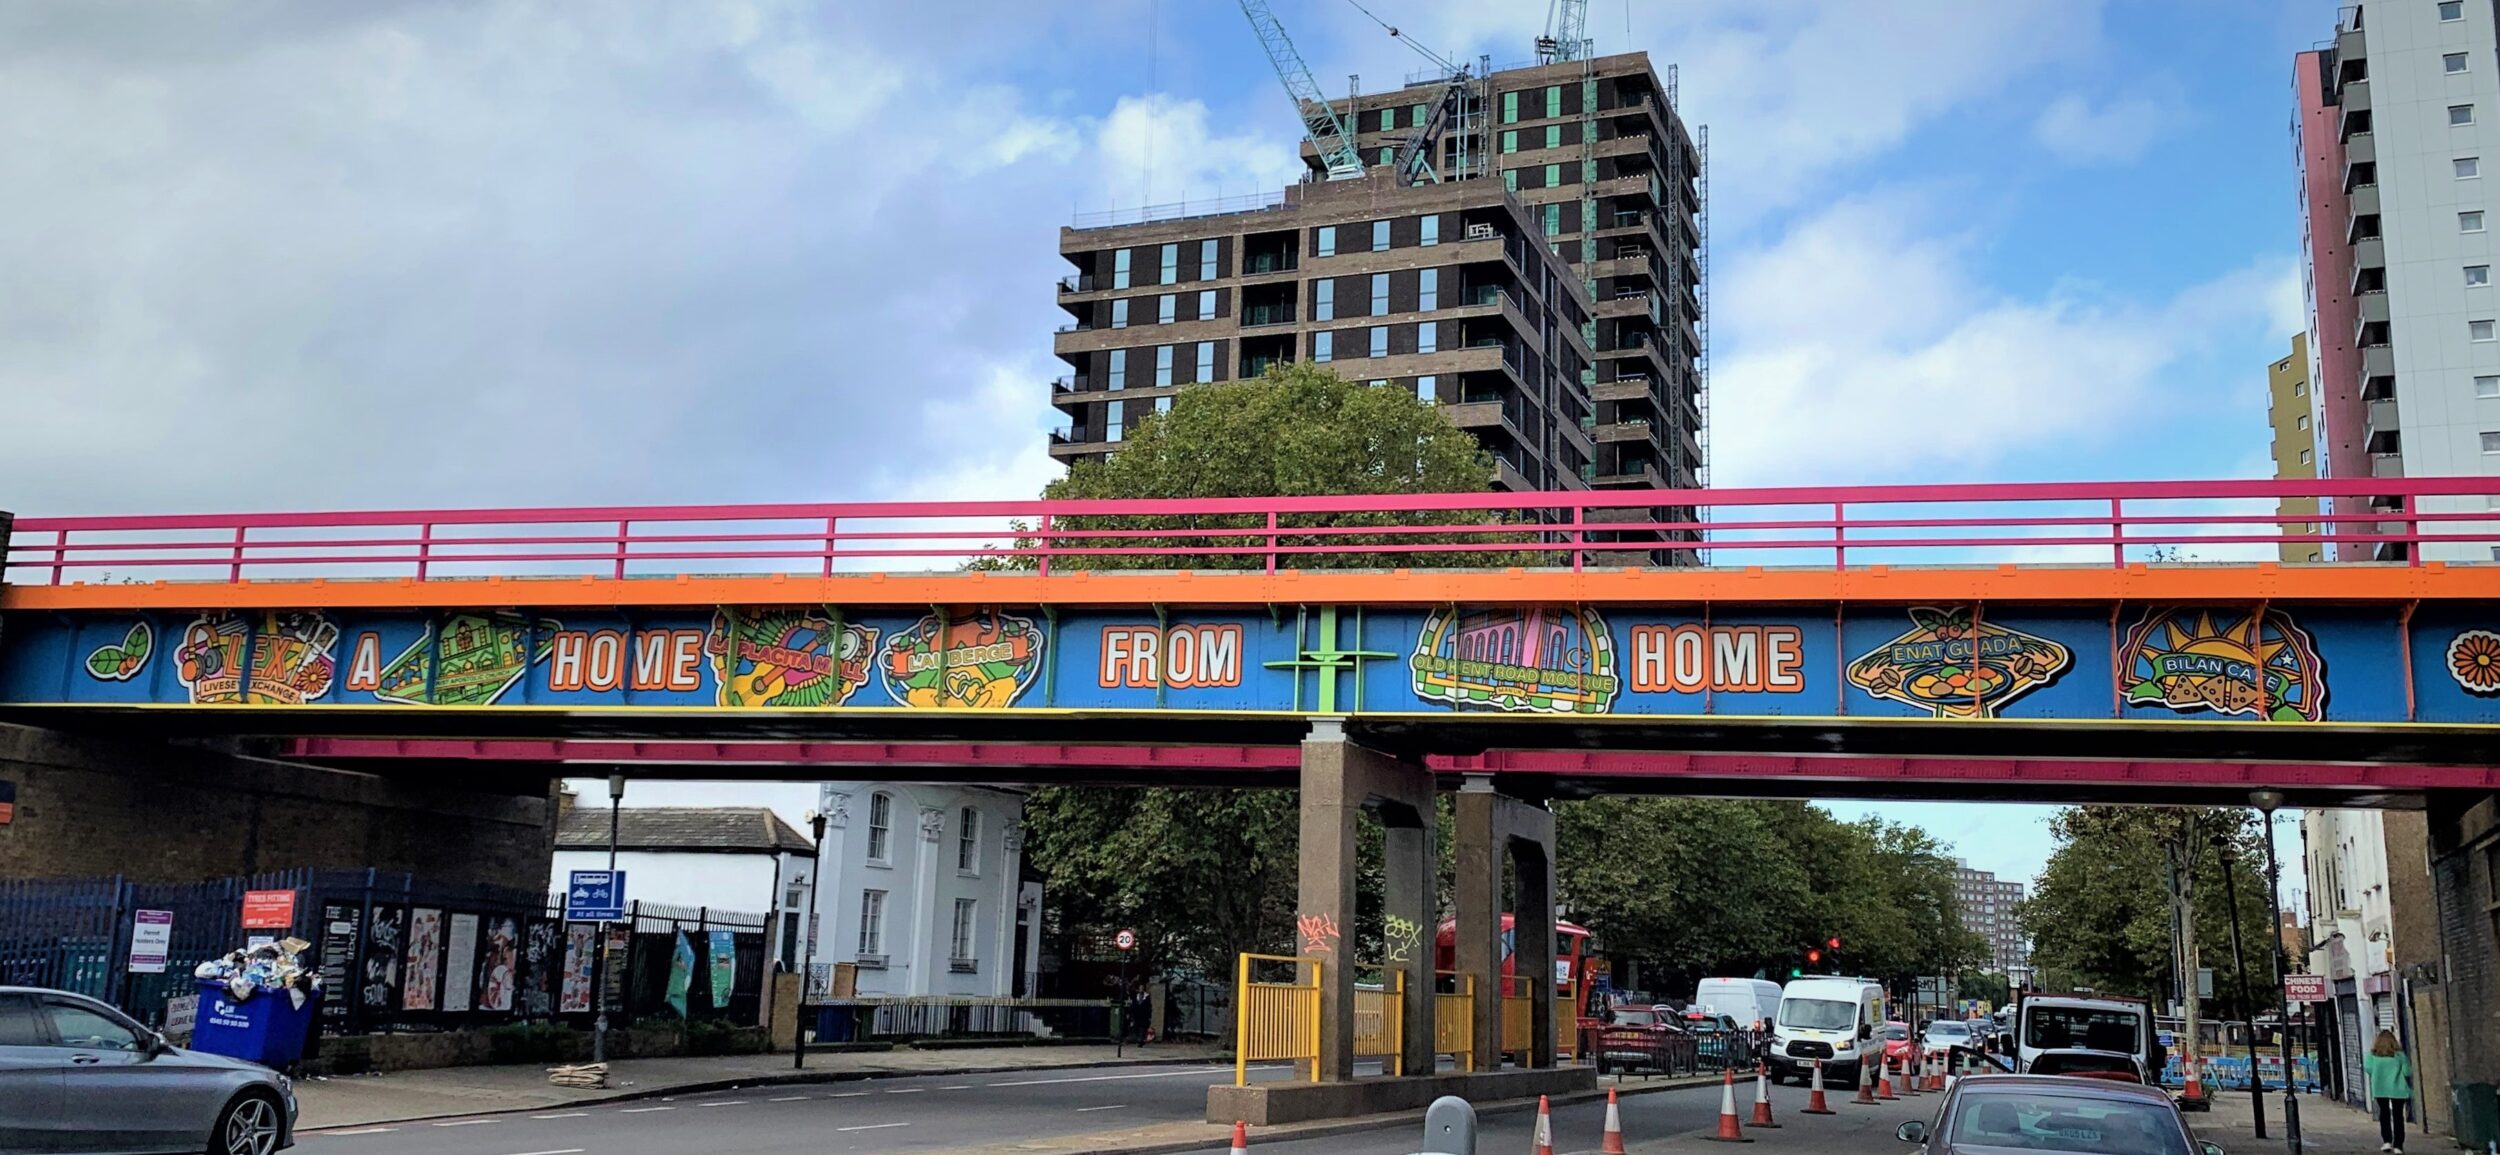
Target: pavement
point(2326, 1127)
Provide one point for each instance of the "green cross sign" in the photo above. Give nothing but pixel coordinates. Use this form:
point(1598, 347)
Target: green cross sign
point(1330, 661)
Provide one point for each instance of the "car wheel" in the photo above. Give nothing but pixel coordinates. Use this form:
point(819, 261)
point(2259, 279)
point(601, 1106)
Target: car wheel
point(248, 1126)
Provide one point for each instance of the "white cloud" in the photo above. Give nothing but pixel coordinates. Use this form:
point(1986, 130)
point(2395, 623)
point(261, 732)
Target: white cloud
point(1158, 149)
point(2078, 133)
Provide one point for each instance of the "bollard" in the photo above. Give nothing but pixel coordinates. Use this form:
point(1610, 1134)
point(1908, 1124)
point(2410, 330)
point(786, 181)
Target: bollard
point(1450, 1127)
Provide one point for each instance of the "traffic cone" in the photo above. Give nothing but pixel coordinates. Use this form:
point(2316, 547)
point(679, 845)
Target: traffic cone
point(1909, 1080)
point(1883, 1081)
point(1935, 1075)
point(1730, 1129)
point(1612, 1143)
point(1761, 1097)
point(1544, 1127)
point(1241, 1139)
point(2194, 1092)
point(1814, 1099)
point(1866, 1088)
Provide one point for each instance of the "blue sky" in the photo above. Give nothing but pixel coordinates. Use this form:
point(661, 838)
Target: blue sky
point(291, 254)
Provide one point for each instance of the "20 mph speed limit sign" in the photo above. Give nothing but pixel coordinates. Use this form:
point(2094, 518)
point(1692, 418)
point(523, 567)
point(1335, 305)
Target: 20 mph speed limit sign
point(1125, 940)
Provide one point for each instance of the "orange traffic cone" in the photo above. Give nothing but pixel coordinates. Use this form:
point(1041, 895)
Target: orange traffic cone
point(1761, 1098)
point(1883, 1081)
point(1544, 1127)
point(1909, 1079)
point(1814, 1099)
point(1935, 1075)
point(1866, 1088)
point(1730, 1129)
point(2194, 1092)
point(1241, 1139)
point(1612, 1143)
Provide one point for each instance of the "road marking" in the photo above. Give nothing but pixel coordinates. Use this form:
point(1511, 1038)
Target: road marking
point(788, 1099)
point(1180, 1074)
point(847, 1095)
point(1112, 1107)
point(643, 1110)
point(872, 1127)
point(565, 1115)
point(364, 1131)
point(905, 1090)
point(464, 1122)
point(557, 1151)
point(957, 1087)
point(727, 1103)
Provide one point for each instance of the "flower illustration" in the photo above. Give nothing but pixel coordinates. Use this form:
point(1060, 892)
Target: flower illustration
point(2474, 661)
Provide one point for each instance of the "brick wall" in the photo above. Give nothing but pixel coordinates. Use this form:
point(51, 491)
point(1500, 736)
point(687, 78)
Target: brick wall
point(2464, 848)
point(159, 812)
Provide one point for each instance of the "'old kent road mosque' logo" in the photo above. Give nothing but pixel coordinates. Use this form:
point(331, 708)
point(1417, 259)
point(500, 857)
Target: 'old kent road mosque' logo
point(1956, 665)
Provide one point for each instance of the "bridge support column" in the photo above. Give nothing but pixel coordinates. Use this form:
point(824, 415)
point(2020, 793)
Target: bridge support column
point(1490, 827)
point(1339, 781)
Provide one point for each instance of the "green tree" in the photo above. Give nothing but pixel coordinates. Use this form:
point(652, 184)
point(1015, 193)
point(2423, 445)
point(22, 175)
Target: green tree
point(1696, 885)
point(2101, 915)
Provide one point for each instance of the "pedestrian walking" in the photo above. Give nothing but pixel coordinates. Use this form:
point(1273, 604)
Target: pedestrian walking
point(2390, 1073)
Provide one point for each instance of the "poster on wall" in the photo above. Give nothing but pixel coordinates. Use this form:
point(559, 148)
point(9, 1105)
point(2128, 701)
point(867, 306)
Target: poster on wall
point(380, 978)
point(459, 962)
point(620, 944)
point(338, 954)
point(680, 972)
point(724, 967)
point(497, 968)
point(425, 957)
point(538, 968)
point(581, 946)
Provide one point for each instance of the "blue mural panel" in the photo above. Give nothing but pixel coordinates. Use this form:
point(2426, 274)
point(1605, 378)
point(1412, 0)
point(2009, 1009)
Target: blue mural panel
point(2456, 664)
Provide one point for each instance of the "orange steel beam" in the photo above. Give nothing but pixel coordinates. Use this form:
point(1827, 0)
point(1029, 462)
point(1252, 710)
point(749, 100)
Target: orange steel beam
point(2433, 581)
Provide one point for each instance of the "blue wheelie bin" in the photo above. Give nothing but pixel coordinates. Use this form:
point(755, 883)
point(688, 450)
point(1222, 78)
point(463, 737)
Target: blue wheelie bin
point(267, 1028)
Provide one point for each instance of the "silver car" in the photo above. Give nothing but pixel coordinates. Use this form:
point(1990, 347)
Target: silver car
point(77, 1076)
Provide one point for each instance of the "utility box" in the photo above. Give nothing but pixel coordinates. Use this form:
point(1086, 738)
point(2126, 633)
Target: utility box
point(2475, 1107)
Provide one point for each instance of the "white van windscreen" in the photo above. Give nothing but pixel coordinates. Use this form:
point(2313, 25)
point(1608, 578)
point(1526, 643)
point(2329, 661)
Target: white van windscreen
point(2056, 1028)
point(1818, 1014)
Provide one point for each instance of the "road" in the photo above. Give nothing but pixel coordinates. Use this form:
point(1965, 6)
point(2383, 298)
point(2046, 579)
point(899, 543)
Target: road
point(880, 1115)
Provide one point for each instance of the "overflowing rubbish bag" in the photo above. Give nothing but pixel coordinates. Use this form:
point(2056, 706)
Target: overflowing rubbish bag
point(265, 969)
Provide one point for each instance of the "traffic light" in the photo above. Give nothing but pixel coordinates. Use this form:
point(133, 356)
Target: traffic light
point(1814, 956)
point(1835, 943)
point(1796, 972)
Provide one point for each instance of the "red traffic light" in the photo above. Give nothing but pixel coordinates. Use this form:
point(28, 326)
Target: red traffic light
point(1814, 956)
point(1835, 943)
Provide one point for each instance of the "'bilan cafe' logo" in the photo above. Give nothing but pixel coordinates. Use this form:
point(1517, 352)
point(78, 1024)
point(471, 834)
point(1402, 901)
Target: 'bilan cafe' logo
point(2189, 659)
point(1954, 667)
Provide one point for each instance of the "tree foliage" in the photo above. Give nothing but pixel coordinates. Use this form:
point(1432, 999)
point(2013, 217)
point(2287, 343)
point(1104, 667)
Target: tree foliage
point(2101, 917)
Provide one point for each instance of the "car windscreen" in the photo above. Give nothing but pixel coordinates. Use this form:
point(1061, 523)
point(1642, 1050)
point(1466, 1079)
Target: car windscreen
point(1896, 1032)
point(2032, 1121)
point(1947, 1031)
point(1630, 1017)
point(2086, 1028)
point(1818, 1014)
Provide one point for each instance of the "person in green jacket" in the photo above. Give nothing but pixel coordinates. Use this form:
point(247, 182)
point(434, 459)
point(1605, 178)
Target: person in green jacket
point(2390, 1074)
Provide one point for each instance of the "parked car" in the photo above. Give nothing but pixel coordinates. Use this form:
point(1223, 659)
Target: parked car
point(1985, 1114)
point(1898, 1047)
point(1634, 1039)
point(79, 1076)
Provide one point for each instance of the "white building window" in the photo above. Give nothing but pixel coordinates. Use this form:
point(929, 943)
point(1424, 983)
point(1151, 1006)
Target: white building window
point(2460, 114)
point(880, 826)
point(2470, 222)
point(2491, 443)
point(968, 842)
point(872, 923)
point(2452, 63)
point(2487, 387)
point(2467, 167)
point(959, 945)
point(2478, 331)
point(1428, 389)
point(2451, 10)
point(2477, 275)
point(1167, 309)
point(2301, 422)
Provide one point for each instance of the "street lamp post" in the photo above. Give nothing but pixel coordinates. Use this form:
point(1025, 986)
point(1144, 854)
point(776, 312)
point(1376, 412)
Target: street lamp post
point(2239, 962)
point(807, 965)
point(607, 958)
point(2266, 802)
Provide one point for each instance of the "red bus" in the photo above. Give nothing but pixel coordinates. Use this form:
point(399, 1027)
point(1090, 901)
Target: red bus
point(1571, 944)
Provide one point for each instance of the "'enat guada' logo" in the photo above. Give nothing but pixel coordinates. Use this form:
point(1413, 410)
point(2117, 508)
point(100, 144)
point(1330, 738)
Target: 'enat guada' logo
point(1953, 666)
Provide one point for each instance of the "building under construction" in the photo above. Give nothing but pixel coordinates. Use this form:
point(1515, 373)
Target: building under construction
point(1599, 383)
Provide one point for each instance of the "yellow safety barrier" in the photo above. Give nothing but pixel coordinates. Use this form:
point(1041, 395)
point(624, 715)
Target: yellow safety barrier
point(1277, 1020)
point(1567, 1025)
point(1518, 1017)
point(1380, 1021)
point(1454, 1020)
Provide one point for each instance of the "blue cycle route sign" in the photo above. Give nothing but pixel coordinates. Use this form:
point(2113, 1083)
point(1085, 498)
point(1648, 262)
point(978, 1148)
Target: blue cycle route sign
point(595, 896)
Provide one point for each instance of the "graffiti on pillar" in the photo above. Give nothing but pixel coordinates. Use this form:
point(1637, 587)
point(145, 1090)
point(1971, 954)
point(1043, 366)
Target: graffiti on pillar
point(1399, 937)
point(1319, 933)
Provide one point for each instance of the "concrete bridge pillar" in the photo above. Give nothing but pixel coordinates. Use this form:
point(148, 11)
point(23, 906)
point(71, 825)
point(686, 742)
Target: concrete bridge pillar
point(1492, 827)
point(1339, 781)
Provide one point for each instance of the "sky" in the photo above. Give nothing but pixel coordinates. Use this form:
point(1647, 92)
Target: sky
point(293, 254)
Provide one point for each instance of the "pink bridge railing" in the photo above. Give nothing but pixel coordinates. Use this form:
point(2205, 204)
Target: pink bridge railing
point(2106, 523)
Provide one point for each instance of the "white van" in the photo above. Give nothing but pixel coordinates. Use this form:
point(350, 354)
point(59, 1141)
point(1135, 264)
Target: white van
point(1836, 1021)
point(1753, 1003)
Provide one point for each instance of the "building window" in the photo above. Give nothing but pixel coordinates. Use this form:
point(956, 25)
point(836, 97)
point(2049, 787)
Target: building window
point(1428, 290)
point(1324, 300)
point(1388, 156)
point(880, 827)
point(1171, 264)
point(1428, 337)
point(1380, 294)
point(2300, 388)
point(2487, 387)
point(2478, 331)
point(1328, 240)
point(2470, 222)
point(1380, 341)
point(1163, 404)
point(2452, 63)
point(2467, 167)
point(1167, 308)
point(1415, 117)
point(2477, 275)
point(1206, 260)
point(1553, 100)
point(2491, 443)
point(2451, 10)
point(1323, 346)
point(1206, 304)
point(2301, 422)
point(1510, 179)
point(1380, 236)
point(1553, 136)
point(872, 923)
point(1119, 313)
point(1553, 219)
point(1510, 109)
point(1113, 431)
point(1510, 141)
point(959, 944)
point(1388, 119)
point(1553, 176)
point(1163, 365)
point(1206, 361)
point(1119, 369)
point(968, 843)
point(1428, 390)
point(2460, 114)
point(1432, 229)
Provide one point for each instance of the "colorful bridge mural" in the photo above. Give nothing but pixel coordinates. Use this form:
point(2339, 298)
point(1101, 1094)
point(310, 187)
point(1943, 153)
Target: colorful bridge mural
point(1267, 612)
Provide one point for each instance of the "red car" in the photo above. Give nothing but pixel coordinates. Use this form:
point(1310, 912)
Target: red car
point(1899, 1047)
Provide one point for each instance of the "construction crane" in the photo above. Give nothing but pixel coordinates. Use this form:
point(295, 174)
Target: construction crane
point(1328, 131)
point(1566, 23)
